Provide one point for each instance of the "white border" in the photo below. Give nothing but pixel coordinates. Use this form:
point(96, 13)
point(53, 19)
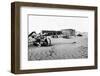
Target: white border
point(25, 64)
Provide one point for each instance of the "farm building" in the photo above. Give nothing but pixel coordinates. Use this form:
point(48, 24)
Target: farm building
point(68, 32)
point(49, 33)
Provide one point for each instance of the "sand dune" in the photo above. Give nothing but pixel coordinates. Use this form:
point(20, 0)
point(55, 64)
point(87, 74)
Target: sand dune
point(61, 48)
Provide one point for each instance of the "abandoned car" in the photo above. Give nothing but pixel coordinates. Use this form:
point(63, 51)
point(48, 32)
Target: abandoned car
point(39, 39)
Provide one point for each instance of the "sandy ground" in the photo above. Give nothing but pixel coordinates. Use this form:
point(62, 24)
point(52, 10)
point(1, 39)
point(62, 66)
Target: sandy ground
point(61, 48)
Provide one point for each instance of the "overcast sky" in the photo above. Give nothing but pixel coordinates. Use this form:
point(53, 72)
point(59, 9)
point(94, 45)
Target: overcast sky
point(38, 23)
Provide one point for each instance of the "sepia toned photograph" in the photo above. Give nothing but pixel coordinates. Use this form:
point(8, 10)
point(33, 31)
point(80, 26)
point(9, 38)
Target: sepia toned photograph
point(52, 37)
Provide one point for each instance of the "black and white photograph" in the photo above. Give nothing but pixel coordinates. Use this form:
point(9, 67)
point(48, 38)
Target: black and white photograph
point(53, 37)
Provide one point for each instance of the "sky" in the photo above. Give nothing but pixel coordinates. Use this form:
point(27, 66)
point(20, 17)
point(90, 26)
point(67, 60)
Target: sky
point(42, 22)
